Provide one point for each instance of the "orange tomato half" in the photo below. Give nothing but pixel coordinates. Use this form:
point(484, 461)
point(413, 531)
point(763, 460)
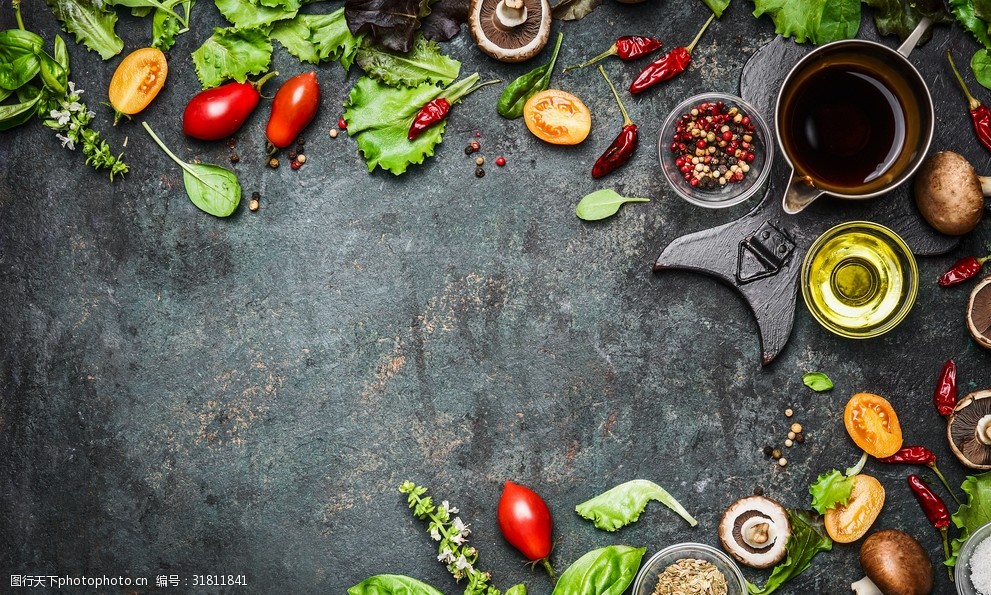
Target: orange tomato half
point(137, 80)
point(846, 524)
point(872, 423)
point(557, 117)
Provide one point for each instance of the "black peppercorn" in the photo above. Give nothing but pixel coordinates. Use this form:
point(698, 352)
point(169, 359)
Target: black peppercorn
point(479, 172)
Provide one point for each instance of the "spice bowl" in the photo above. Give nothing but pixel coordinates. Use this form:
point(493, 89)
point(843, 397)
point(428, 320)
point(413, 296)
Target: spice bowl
point(652, 571)
point(711, 130)
point(967, 565)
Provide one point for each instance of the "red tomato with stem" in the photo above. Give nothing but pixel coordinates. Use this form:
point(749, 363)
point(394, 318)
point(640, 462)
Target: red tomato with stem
point(525, 522)
point(294, 107)
point(219, 112)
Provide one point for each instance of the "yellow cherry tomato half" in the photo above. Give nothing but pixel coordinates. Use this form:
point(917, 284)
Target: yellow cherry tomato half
point(871, 422)
point(848, 523)
point(557, 117)
point(137, 81)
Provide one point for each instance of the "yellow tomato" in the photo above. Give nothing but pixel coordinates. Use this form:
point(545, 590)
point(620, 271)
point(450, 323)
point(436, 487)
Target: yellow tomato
point(557, 117)
point(848, 523)
point(871, 422)
point(137, 81)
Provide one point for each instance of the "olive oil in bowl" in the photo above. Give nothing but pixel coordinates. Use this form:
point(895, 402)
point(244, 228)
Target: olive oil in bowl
point(859, 279)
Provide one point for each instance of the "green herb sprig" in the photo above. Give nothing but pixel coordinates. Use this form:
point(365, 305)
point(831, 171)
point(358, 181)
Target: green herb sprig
point(70, 119)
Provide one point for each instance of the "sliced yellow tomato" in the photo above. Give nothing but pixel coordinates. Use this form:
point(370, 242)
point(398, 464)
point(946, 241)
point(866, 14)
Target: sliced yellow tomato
point(873, 425)
point(848, 523)
point(137, 80)
point(557, 117)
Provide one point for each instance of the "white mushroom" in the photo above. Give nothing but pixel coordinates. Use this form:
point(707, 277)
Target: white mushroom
point(510, 30)
point(754, 530)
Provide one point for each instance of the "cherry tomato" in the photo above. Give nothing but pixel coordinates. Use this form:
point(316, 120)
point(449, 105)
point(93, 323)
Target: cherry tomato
point(846, 524)
point(557, 117)
point(219, 112)
point(525, 521)
point(871, 422)
point(138, 79)
point(293, 108)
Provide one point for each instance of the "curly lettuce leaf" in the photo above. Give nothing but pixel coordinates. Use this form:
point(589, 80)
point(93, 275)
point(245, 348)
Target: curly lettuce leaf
point(818, 21)
point(91, 22)
point(622, 505)
point(232, 53)
point(831, 490)
point(423, 64)
point(244, 15)
point(379, 118)
point(390, 23)
point(974, 513)
point(808, 538)
point(318, 37)
point(897, 17)
point(966, 14)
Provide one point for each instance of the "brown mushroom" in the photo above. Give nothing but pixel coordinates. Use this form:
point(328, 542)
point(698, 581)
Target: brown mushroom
point(510, 30)
point(754, 530)
point(950, 194)
point(969, 430)
point(896, 563)
point(979, 313)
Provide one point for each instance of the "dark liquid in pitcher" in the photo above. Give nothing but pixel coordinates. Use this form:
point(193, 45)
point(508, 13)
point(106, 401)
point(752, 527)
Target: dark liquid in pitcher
point(846, 127)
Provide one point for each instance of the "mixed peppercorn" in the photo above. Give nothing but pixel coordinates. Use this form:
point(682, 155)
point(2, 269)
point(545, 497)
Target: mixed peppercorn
point(714, 145)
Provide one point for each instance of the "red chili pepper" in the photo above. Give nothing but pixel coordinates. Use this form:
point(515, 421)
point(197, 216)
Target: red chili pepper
point(668, 65)
point(945, 395)
point(437, 108)
point(621, 149)
point(934, 508)
point(966, 268)
point(919, 455)
point(980, 114)
point(628, 47)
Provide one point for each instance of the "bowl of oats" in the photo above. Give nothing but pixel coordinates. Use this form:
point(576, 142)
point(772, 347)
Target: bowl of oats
point(689, 568)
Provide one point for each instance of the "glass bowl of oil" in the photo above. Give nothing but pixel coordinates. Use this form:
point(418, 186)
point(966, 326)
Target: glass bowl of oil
point(859, 279)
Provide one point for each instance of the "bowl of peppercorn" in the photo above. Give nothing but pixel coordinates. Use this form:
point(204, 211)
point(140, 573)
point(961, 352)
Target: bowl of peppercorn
point(716, 150)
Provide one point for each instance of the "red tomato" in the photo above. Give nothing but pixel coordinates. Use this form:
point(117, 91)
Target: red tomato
point(525, 521)
point(219, 112)
point(293, 108)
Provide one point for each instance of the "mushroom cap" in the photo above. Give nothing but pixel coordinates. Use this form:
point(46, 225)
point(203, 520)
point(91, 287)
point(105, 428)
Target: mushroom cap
point(969, 430)
point(754, 530)
point(506, 41)
point(979, 313)
point(896, 563)
point(948, 193)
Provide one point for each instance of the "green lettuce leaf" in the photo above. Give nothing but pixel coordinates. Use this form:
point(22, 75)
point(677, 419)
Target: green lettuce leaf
point(622, 505)
point(897, 17)
point(830, 490)
point(717, 6)
point(91, 22)
point(423, 64)
point(318, 37)
point(818, 21)
point(965, 13)
point(974, 513)
point(232, 54)
point(243, 14)
point(808, 538)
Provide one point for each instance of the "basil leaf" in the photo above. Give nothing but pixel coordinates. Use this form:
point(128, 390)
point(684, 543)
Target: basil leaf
point(573, 10)
point(53, 74)
point(519, 589)
point(605, 571)
point(423, 64)
point(623, 504)
point(601, 204)
point(213, 189)
point(817, 381)
point(19, 62)
point(393, 584)
point(514, 96)
point(61, 53)
point(717, 6)
point(808, 538)
point(980, 63)
point(13, 115)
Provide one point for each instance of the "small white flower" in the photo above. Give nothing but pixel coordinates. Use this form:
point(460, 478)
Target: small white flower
point(447, 506)
point(62, 117)
point(66, 142)
point(74, 107)
point(73, 90)
point(435, 534)
point(462, 563)
point(446, 556)
point(90, 114)
point(461, 527)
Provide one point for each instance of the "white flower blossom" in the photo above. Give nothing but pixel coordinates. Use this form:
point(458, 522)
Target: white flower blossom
point(74, 107)
point(435, 534)
point(62, 117)
point(66, 142)
point(462, 563)
point(461, 527)
point(446, 556)
point(73, 90)
point(447, 506)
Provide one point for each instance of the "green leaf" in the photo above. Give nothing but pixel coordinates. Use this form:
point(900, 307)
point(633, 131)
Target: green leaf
point(982, 10)
point(315, 38)
point(972, 514)
point(213, 189)
point(717, 6)
point(244, 15)
point(818, 21)
point(573, 10)
point(808, 538)
point(623, 504)
point(601, 204)
point(817, 381)
point(831, 490)
point(91, 22)
point(964, 12)
point(19, 62)
point(423, 64)
point(897, 17)
point(980, 63)
point(232, 53)
point(515, 95)
point(393, 584)
point(605, 571)
point(12, 115)
point(519, 589)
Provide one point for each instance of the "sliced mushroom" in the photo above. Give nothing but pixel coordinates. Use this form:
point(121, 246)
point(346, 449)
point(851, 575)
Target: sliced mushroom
point(754, 530)
point(510, 30)
point(969, 430)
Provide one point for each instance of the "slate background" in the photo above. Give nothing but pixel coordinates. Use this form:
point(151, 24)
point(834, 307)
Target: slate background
point(186, 395)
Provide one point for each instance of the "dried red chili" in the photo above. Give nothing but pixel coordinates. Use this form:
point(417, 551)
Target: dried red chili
point(628, 47)
point(980, 114)
point(945, 395)
point(437, 109)
point(667, 66)
point(966, 268)
point(621, 149)
point(919, 455)
point(934, 509)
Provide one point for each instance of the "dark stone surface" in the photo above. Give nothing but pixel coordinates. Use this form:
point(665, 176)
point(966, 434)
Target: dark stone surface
point(186, 395)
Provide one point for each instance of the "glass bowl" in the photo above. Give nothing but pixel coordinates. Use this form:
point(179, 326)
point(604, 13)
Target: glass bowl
point(647, 578)
point(961, 575)
point(859, 279)
point(731, 193)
